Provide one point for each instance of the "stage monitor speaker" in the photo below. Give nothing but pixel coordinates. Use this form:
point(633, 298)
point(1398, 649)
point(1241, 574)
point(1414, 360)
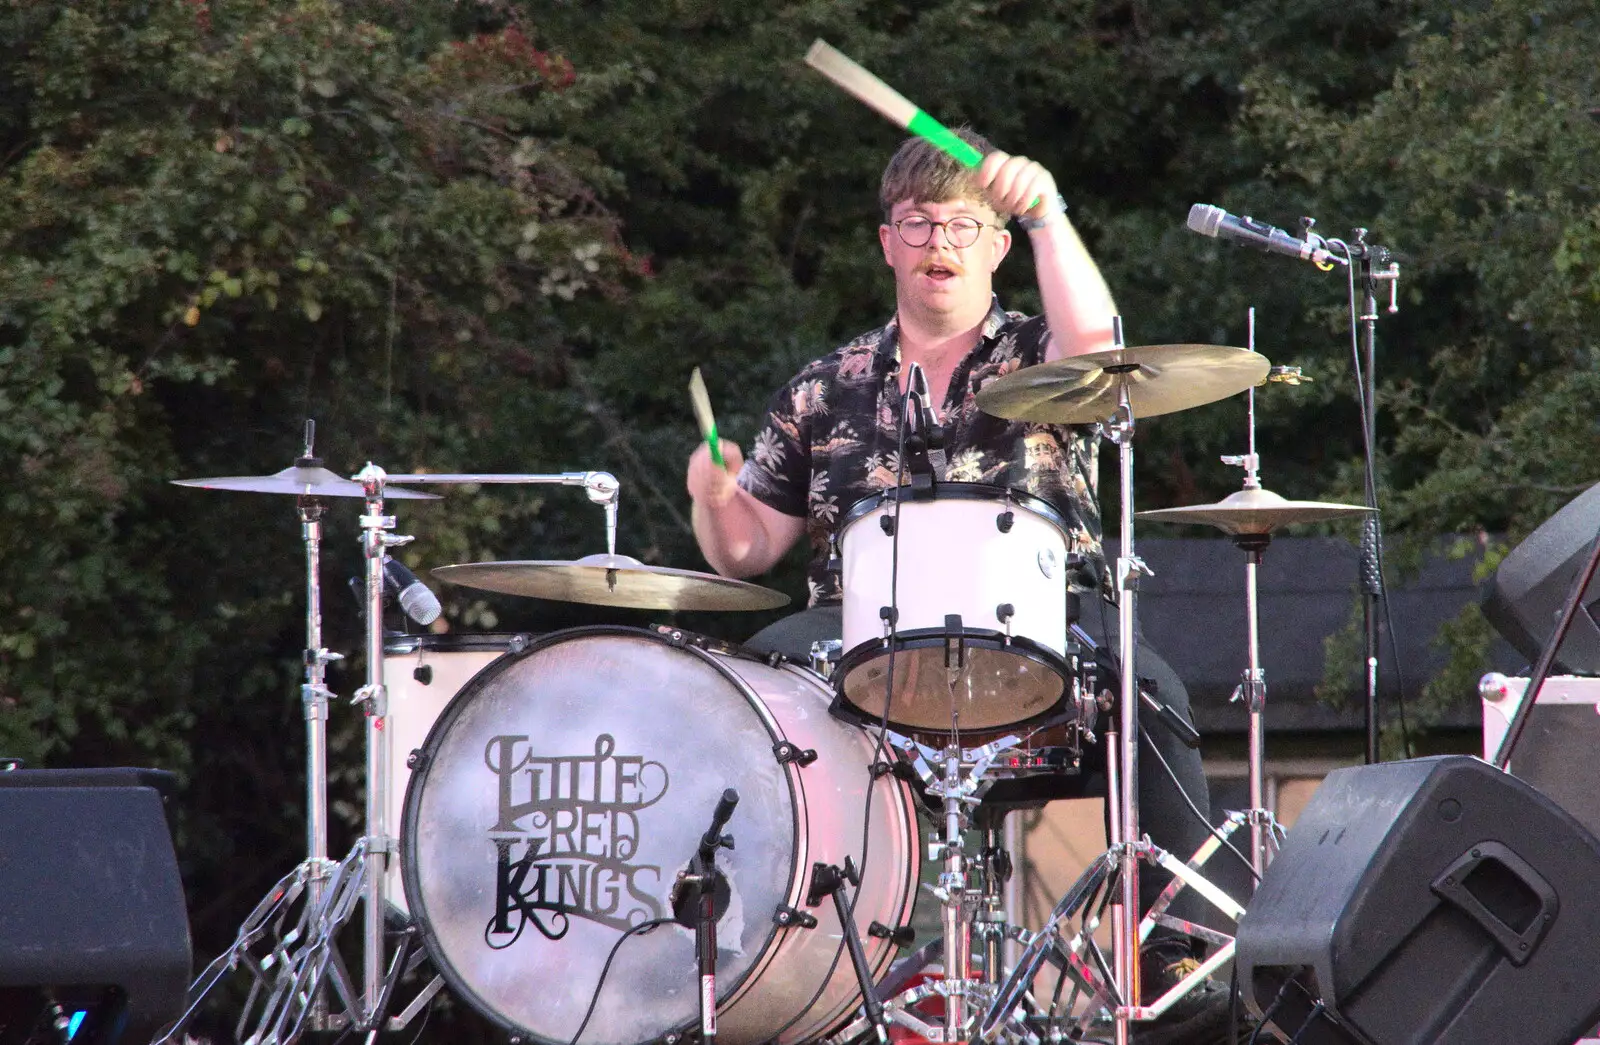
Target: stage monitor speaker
point(1434, 901)
point(94, 934)
point(1524, 598)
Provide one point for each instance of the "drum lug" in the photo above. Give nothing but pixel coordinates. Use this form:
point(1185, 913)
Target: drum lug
point(416, 760)
point(902, 937)
point(1005, 520)
point(955, 643)
point(786, 752)
point(790, 916)
point(886, 524)
point(423, 674)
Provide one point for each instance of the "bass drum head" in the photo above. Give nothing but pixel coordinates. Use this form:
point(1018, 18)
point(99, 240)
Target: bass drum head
point(555, 801)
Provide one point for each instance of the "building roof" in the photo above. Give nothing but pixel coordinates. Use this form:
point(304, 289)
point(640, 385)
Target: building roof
point(1192, 611)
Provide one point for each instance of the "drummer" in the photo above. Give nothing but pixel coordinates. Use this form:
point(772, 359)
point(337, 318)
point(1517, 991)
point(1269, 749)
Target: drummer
point(830, 438)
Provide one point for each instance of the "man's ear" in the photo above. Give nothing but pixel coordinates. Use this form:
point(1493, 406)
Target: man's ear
point(886, 241)
point(1002, 247)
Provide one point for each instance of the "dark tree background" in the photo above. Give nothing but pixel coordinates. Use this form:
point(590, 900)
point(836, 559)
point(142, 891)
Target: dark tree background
point(495, 236)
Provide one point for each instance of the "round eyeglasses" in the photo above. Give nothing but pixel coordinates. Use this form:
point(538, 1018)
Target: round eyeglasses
point(960, 232)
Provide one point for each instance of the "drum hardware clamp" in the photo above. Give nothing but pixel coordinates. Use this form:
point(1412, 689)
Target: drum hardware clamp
point(786, 752)
point(793, 916)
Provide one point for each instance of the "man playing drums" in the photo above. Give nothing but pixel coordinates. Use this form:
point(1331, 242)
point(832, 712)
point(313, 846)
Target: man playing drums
point(831, 438)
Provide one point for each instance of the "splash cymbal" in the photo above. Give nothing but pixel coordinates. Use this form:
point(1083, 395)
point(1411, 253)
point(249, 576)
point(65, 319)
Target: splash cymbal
point(1254, 511)
point(302, 481)
point(1161, 379)
point(613, 580)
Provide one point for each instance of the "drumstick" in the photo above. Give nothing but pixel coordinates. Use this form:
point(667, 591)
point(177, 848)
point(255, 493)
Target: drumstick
point(890, 103)
point(702, 414)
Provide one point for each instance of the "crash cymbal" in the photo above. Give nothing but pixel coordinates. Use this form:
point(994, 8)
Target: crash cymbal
point(1161, 379)
point(614, 580)
point(302, 481)
point(1253, 512)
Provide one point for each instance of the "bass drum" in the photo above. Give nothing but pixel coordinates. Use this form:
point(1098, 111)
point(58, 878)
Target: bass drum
point(564, 788)
point(422, 673)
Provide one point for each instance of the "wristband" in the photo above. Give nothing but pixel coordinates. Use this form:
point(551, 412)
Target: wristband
point(1033, 224)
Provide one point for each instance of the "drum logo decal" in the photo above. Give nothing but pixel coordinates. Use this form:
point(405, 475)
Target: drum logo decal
point(567, 832)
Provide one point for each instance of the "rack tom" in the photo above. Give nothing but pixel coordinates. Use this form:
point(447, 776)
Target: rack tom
point(963, 590)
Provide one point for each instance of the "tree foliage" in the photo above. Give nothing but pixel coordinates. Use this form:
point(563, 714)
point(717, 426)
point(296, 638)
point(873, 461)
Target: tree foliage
point(495, 236)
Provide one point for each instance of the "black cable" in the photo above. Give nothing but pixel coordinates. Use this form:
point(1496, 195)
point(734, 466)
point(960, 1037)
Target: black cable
point(427, 1014)
point(1369, 462)
point(1399, 675)
point(1316, 1010)
point(594, 999)
point(1105, 629)
point(1233, 1002)
point(1215, 831)
point(1266, 1017)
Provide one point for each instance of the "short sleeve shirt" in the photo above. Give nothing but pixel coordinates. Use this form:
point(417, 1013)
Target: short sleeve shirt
point(831, 438)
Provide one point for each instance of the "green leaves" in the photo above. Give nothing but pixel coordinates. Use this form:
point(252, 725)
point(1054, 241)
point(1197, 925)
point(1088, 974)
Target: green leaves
point(212, 228)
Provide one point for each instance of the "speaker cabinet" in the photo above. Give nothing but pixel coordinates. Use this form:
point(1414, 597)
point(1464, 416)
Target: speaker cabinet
point(1525, 596)
point(1433, 901)
point(94, 933)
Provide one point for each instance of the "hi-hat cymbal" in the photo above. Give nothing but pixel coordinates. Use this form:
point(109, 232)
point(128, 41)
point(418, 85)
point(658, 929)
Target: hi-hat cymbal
point(1254, 511)
point(1161, 379)
point(302, 481)
point(614, 580)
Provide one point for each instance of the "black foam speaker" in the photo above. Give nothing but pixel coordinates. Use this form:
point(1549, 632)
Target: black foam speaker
point(94, 933)
point(1525, 596)
point(1434, 901)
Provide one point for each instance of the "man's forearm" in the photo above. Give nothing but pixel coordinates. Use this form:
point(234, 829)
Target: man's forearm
point(1077, 303)
point(732, 536)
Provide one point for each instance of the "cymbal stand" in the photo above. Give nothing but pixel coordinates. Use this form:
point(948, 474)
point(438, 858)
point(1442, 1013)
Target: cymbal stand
point(1120, 868)
point(1079, 957)
point(1122, 763)
point(324, 884)
point(381, 843)
point(1252, 688)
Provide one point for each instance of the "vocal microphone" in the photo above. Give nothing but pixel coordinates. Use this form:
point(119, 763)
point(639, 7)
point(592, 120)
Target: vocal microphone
point(917, 392)
point(1219, 224)
point(418, 602)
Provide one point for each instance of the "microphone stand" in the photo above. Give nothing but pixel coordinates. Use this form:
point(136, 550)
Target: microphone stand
point(1375, 264)
point(699, 897)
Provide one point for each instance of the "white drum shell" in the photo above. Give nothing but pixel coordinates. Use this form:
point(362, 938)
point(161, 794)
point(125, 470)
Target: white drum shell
point(422, 673)
point(954, 558)
point(645, 696)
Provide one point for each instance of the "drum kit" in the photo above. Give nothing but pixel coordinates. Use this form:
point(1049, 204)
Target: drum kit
point(536, 806)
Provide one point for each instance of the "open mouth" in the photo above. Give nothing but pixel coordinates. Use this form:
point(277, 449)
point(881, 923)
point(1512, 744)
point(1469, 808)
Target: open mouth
point(940, 273)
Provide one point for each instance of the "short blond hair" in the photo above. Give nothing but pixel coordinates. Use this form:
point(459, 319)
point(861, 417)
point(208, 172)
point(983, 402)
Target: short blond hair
point(923, 173)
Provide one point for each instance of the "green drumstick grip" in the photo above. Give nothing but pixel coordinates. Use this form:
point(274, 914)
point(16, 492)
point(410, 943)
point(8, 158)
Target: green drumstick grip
point(942, 137)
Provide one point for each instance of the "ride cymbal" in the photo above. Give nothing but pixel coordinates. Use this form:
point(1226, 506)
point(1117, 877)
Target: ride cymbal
point(613, 580)
point(1254, 511)
point(1161, 379)
point(302, 481)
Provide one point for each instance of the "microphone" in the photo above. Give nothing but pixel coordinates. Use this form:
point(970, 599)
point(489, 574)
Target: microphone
point(712, 840)
point(1219, 224)
point(917, 392)
point(419, 603)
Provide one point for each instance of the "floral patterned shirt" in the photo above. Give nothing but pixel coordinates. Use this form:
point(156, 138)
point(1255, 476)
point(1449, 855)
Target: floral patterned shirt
point(832, 434)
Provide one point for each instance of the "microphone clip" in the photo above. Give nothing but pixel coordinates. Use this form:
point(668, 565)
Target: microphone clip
point(924, 435)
